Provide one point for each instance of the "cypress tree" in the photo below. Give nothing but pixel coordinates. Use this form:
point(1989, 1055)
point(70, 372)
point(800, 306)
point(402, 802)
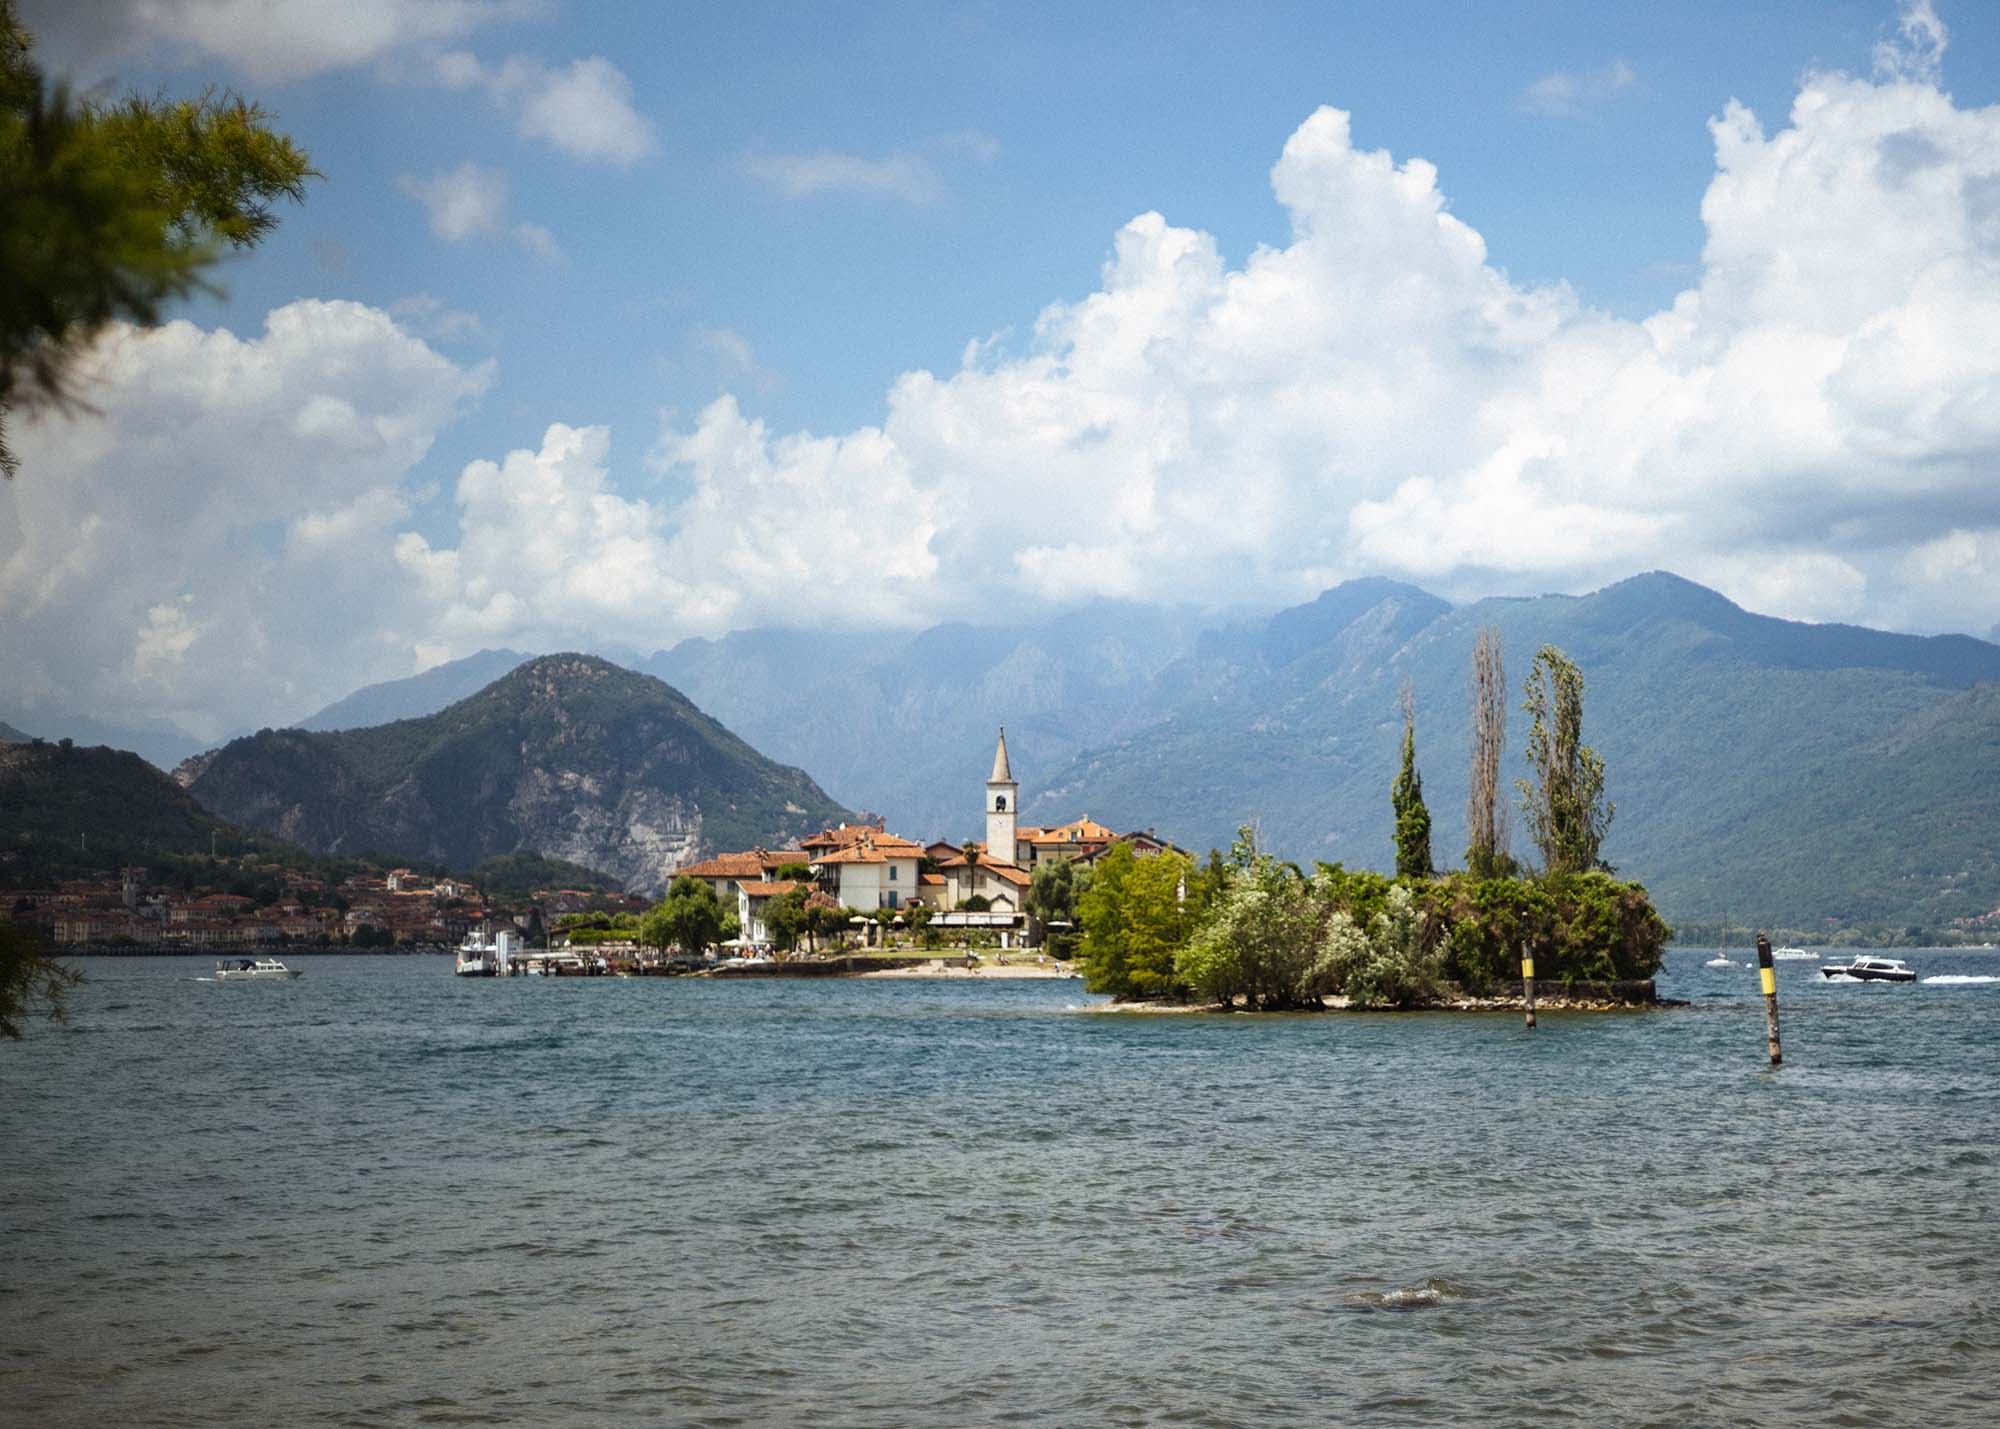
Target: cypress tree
point(1406, 796)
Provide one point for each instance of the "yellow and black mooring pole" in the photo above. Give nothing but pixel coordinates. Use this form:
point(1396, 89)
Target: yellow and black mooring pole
point(1769, 976)
point(1528, 982)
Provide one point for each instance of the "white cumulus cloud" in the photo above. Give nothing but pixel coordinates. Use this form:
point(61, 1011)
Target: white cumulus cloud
point(1812, 426)
point(466, 202)
point(583, 108)
point(212, 542)
point(267, 40)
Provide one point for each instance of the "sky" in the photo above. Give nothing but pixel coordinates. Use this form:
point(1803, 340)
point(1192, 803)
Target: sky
point(611, 324)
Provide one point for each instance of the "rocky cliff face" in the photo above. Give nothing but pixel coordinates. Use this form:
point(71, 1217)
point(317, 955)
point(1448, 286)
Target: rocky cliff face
point(569, 755)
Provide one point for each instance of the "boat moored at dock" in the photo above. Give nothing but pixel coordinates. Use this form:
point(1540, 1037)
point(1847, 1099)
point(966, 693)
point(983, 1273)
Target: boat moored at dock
point(483, 956)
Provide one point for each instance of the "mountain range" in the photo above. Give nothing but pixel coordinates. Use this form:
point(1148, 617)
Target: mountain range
point(1763, 770)
point(569, 756)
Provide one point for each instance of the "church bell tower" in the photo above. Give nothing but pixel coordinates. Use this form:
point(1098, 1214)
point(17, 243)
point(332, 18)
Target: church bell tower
point(1002, 803)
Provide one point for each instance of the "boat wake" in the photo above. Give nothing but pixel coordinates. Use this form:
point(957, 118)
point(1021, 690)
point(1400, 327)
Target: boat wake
point(1959, 979)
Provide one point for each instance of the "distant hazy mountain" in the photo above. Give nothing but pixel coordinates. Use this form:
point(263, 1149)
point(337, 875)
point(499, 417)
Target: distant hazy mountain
point(416, 695)
point(11, 735)
point(156, 741)
point(1763, 769)
point(568, 755)
point(903, 725)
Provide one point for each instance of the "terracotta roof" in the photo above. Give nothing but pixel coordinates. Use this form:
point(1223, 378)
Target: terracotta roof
point(849, 834)
point(931, 880)
point(1083, 830)
point(869, 853)
point(726, 865)
point(769, 890)
point(751, 863)
point(1007, 873)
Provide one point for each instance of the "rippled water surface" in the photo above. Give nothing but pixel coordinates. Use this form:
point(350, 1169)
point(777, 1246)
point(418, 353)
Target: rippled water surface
point(380, 1195)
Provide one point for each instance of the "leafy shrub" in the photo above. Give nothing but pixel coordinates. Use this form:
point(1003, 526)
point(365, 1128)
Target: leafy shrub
point(1392, 964)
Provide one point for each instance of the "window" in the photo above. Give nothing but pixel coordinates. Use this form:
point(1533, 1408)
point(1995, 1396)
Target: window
point(892, 897)
point(892, 873)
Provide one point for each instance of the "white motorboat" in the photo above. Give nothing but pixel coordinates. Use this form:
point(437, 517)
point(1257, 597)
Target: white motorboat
point(253, 969)
point(1867, 969)
point(481, 956)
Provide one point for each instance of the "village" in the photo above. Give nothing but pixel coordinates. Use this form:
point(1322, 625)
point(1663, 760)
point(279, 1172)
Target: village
point(970, 894)
point(397, 909)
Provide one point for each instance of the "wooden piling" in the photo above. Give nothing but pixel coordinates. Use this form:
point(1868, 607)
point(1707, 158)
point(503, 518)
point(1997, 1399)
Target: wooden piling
point(1768, 975)
point(1528, 983)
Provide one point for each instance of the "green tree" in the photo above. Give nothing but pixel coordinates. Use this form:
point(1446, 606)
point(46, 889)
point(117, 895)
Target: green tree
point(785, 917)
point(30, 980)
point(1564, 805)
point(824, 919)
point(689, 917)
point(1135, 917)
point(1052, 897)
point(1486, 854)
point(1394, 963)
point(1413, 819)
point(1257, 942)
point(110, 212)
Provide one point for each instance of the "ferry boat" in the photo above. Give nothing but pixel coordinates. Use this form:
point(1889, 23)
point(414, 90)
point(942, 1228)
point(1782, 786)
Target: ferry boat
point(480, 956)
point(240, 969)
point(1867, 969)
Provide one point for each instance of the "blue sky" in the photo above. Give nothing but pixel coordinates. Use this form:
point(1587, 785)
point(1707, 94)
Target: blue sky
point(636, 210)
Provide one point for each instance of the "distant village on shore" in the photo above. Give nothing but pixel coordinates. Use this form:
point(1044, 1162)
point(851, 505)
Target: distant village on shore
point(976, 886)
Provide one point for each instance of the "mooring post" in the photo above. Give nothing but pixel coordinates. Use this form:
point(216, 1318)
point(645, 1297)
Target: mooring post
point(1528, 982)
point(1769, 976)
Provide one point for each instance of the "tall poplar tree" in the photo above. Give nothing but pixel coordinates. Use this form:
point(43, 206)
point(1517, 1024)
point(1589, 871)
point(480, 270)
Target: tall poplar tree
point(1564, 804)
point(1485, 816)
point(1406, 795)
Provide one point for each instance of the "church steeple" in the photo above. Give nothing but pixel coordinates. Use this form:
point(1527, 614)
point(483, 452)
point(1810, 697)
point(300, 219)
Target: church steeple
point(1002, 803)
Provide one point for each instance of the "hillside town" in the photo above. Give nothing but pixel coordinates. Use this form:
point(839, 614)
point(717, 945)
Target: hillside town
point(399, 908)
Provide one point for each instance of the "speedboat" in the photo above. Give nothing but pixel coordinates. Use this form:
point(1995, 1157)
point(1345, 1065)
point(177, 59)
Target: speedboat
point(239, 969)
point(1867, 969)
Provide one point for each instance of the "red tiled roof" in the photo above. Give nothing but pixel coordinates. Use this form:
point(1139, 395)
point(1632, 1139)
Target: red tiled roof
point(769, 890)
point(726, 865)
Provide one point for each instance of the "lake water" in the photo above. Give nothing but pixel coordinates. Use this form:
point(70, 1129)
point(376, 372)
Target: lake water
point(381, 1195)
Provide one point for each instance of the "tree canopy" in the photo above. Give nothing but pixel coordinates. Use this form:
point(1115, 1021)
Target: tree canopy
point(690, 917)
point(111, 211)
